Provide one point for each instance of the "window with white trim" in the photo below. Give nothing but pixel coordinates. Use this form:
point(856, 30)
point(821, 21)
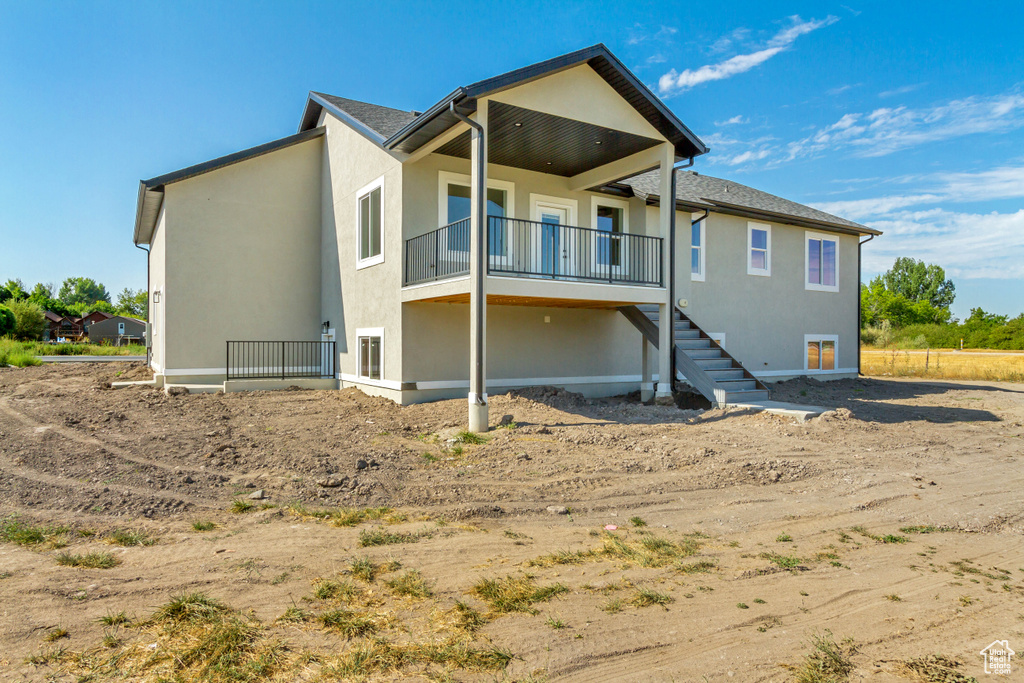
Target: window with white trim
point(698, 251)
point(370, 347)
point(820, 352)
point(821, 262)
point(454, 204)
point(370, 224)
point(759, 249)
point(611, 218)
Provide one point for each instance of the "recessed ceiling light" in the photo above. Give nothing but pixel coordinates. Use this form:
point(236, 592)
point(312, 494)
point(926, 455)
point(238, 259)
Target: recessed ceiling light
point(549, 163)
point(598, 142)
point(519, 125)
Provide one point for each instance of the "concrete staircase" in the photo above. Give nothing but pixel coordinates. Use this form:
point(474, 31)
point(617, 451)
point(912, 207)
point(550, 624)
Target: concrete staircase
point(705, 364)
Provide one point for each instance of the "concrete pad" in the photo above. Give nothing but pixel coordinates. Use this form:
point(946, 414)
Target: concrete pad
point(140, 383)
point(234, 385)
point(195, 388)
point(801, 413)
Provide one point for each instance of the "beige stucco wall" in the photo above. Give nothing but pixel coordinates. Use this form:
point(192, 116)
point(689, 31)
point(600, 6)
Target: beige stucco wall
point(369, 297)
point(421, 194)
point(157, 283)
point(580, 94)
point(765, 318)
point(242, 257)
point(520, 343)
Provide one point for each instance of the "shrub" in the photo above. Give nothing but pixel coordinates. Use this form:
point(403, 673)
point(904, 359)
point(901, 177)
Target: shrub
point(7, 321)
point(29, 321)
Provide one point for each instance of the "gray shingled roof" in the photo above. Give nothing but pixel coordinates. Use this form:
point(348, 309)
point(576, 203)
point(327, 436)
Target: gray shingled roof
point(707, 191)
point(384, 121)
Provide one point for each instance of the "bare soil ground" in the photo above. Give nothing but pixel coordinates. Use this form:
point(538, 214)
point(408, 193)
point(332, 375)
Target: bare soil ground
point(752, 532)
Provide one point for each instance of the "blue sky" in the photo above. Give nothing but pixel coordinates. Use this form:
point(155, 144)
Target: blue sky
point(908, 117)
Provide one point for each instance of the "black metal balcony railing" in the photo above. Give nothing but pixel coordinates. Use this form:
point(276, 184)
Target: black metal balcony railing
point(537, 250)
point(281, 360)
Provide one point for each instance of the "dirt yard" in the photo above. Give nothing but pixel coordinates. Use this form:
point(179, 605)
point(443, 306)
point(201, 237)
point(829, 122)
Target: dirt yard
point(639, 543)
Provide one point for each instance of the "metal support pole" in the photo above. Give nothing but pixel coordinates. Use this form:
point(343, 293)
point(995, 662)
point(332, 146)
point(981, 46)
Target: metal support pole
point(478, 418)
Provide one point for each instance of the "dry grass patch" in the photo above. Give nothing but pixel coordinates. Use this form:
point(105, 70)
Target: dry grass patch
point(129, 537)
point(379, 658)
point(645, 550)
point(410, 584)
point(827, 662)
point(993, 367)
point(381, 536)
point(197, 639)
point(515, 593)
point(88, 560)
point(347, 517)
point(934, 669)
point(366, 569)
point(13, 530)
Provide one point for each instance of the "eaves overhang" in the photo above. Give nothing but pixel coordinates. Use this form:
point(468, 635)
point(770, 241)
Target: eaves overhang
point(718, 206)
point(151, 192)
point(439, 117)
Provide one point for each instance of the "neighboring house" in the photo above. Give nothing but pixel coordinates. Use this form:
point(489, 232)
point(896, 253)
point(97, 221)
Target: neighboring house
point(510, 235)
point(71, 328)
point(117, 330)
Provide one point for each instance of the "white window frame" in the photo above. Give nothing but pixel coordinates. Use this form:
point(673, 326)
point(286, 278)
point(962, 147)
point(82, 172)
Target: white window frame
point(446, 178)
point(702, 275)
point(379, 258)
point(611, 203)
point(808, 338)
point(808, 236)
point(366, 332)
point(751, 270)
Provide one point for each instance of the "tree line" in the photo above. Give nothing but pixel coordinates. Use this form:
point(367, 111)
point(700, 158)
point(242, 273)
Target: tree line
point(908, 306)
point(22, 310)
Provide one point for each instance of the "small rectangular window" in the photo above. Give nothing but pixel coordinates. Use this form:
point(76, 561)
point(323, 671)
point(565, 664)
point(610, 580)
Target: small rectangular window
point(459, 208)
point(609, 249)
point(698, 255)
point(371, 226)
point(821, 352)
point(822, 256)
point(759, 249)
point(369, 357)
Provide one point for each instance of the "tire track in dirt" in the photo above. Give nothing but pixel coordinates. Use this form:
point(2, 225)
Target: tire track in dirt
point(72, 435)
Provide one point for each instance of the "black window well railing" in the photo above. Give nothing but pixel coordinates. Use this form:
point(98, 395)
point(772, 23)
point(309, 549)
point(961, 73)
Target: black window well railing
point(281, 359)
point(537, 249)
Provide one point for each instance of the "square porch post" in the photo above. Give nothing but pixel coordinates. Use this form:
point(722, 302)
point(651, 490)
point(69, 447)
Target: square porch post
point(666, 309)
point(478, 422)
point(647, 370)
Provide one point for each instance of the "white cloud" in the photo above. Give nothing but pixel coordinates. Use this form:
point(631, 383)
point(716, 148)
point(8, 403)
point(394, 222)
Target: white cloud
point(748, 156)
point(999, 183)
point(966, 245)
point(841, 89)
point(726, 42)
point(887, 130)
point(733, 121)
point(903, 90)
point(674, 81)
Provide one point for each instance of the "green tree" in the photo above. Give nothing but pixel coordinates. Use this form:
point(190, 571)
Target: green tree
point(916, 281)
point(7, 321)
point(29, 321)
point(82, 290)
point(132, 302)
point(41, 291)
point(13, 290)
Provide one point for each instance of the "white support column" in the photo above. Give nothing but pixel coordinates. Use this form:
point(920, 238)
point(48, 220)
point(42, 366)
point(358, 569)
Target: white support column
point(478, 419)
point(666, 310)
point(646, 370)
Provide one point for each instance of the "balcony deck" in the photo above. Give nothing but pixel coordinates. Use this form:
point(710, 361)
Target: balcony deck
point(543, 252)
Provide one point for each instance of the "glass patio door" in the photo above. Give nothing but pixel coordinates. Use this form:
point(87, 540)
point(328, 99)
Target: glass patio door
point(551, 220)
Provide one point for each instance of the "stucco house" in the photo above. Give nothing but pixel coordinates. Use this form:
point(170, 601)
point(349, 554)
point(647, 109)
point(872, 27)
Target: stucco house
point(515, 233)
point(117, 330)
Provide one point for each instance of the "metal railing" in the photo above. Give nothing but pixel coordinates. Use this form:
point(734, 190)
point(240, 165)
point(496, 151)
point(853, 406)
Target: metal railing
point(438, 255)
point(537, 250)
point(281, 359)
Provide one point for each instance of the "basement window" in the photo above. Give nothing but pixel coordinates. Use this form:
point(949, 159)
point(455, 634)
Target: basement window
point(821, 352)
point(821, 262)
point(759, 249)
point(369, 218)
point(371, 353)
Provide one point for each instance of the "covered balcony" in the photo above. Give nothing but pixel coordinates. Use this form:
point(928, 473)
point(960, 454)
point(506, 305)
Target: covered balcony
point(543, 249)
